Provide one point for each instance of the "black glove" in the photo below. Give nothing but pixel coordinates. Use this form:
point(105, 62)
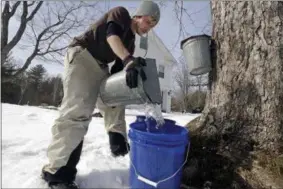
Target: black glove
point(118, 144)
point(132, 62)
point(133, 67)
point(117, 66)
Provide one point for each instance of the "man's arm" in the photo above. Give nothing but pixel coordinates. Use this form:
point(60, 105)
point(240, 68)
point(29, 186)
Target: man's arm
point(118, 20)
point(117, 46)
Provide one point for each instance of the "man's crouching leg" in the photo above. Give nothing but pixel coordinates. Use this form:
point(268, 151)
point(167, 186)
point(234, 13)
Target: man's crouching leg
point(115, 125)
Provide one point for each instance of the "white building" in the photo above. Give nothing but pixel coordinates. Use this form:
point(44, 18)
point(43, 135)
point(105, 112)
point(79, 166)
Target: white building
point(152, 47)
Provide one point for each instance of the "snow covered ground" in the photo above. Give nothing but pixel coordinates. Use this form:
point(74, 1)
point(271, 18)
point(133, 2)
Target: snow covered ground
point(26, 135)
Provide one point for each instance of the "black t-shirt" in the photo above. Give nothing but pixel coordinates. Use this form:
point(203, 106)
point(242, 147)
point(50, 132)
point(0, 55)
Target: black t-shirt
point(94, 39)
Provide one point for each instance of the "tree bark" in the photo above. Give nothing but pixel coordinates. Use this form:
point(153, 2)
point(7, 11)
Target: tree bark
point(243, 116)
point(245, 103)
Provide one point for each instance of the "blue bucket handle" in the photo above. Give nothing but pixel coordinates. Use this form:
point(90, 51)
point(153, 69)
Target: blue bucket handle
point(155, 184)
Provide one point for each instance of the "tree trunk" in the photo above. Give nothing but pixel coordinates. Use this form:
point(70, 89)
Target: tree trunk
point(243, 116)
point(246, 97)
point(55, 91)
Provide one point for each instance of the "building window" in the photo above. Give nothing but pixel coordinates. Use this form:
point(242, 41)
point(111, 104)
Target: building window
point(143, 42)
point(161, 70)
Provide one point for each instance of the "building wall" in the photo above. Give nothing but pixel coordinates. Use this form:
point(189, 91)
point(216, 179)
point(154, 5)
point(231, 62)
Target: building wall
point(157, 50)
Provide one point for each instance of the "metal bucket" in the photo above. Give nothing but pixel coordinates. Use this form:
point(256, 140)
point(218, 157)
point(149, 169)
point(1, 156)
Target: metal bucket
point(196, 51)
point(114, 90)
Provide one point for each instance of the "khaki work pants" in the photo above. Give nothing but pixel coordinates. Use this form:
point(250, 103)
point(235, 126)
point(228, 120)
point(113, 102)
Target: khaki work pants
point(81, 81)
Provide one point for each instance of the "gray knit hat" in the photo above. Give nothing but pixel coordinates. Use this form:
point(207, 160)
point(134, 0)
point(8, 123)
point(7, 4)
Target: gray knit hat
point(148, 8)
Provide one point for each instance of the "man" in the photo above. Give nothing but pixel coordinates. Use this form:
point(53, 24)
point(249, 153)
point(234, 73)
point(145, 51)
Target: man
point(109, 39)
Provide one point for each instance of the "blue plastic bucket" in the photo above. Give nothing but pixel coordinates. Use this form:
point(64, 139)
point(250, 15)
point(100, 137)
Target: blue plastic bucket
point(158, 155)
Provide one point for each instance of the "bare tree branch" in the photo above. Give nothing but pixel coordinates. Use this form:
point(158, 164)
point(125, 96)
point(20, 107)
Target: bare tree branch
point(14, 8)
point(30, 4)
point(4, 27)
point(48, 51)
point(6, 9)
point(20, 31)
point(54, 39)
point(35, 11)
point(6, 15)
point(181, 27)
point(53, 59)
point(48, 38)
point(190, 17)
point(182, 77)
point(180, 12)
point(205, 26)
point(198, 11)
point(51, 34)
point(36, 49)
point(7, 48)
point(33, 30)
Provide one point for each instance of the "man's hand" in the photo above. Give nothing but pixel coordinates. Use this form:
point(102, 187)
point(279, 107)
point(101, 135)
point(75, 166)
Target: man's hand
point(132, 62)
point(133, 66)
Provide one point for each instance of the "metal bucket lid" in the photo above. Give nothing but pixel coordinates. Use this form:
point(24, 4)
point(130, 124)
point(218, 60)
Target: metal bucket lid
point(151, 86)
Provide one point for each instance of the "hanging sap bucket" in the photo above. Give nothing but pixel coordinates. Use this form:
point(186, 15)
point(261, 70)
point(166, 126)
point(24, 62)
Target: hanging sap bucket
point(196, 50)
point(115, 92)
point(157, 154)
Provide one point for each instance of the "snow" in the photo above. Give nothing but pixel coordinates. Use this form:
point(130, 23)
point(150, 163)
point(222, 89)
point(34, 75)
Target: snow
point(26, 133)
